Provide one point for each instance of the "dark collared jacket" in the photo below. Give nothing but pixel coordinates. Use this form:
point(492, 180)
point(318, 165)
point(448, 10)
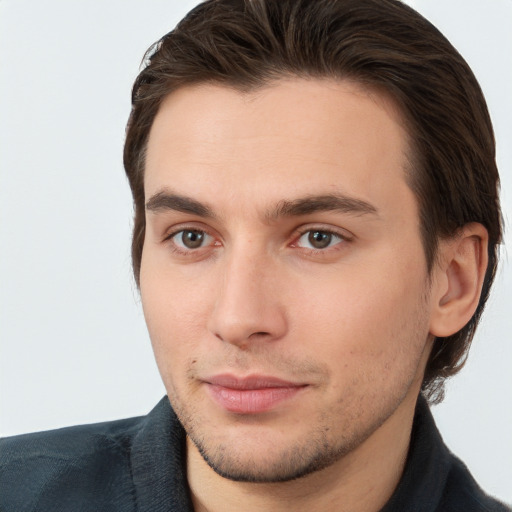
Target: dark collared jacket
point(138, 464)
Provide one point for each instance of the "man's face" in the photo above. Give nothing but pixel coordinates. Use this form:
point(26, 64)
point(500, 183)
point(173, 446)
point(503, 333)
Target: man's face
point(283, 278)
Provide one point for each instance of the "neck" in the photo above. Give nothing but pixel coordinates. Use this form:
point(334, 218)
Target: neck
point(363, 480)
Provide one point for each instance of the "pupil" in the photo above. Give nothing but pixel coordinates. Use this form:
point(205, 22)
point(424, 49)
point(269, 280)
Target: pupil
point(319, 239)
point(192, 239)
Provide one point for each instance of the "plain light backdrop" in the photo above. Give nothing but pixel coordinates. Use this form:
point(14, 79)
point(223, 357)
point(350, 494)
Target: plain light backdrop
point(73, 344)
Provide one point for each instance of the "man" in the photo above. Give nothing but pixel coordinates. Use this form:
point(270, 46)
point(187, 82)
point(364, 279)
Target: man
point(316, 232)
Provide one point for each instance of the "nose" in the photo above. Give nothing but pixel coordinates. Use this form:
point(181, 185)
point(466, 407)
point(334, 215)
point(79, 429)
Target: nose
point(247, 306)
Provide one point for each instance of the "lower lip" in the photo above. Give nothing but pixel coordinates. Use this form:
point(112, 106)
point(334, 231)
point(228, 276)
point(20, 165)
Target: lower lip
point(251, 401)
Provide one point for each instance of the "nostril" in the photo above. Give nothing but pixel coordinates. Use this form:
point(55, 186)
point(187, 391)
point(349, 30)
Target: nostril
point(259, 334)
point(242, 339)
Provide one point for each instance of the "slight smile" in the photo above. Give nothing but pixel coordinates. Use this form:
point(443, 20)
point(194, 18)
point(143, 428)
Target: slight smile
point(250, 395)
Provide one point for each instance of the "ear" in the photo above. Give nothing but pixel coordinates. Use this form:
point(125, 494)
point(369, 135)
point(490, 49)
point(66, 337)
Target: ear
point(458, 279)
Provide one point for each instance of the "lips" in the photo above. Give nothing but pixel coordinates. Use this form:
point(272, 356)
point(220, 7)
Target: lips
point(251, 395)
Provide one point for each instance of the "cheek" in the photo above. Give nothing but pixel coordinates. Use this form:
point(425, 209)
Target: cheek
point(175, 312)
point(372, 315)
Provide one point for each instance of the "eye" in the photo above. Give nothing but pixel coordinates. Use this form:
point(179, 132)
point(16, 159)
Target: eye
point(190, 239)
point(318, 239)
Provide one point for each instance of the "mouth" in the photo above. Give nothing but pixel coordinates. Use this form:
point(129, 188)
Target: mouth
point(253, 394)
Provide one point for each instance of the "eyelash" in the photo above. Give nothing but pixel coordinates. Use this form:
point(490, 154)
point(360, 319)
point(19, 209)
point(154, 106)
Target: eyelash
point(343, 238)
point(178, 250)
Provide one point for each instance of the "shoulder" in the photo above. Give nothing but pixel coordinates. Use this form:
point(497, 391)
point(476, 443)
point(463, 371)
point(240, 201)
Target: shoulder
point(434, 479)
point(70, 442)
point(83, 463)
point(463, 493)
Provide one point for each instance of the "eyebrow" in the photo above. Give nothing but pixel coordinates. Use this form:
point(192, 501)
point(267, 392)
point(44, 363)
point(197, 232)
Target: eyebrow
point(164, 200)
point(322, 203)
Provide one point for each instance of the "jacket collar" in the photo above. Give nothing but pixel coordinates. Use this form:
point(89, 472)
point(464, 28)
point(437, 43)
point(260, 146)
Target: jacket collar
point(158, 463)
point(426, 471)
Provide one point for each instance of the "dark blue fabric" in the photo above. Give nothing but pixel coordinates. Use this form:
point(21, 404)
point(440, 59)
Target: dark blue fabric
point(138, 464)
point(434, 480)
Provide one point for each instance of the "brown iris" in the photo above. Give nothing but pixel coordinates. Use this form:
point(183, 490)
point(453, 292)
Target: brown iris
point(319, 239)
point(192, 239)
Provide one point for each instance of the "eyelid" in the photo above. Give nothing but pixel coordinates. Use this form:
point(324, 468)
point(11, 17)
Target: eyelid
point(186, 226)
point(332, 230)
point(182, 246)
point(341, 233)
point(199, 252)
point(344, 238)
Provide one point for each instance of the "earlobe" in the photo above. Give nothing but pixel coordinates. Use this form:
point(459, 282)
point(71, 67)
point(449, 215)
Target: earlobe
point(458, 284)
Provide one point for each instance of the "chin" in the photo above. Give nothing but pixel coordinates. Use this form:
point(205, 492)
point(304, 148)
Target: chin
point(275, 466)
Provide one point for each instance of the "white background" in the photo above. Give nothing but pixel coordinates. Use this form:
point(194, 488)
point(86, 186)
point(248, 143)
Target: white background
point(73, 344)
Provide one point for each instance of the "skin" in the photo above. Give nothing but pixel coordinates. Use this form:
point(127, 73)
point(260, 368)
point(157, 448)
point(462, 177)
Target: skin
point(352, 322)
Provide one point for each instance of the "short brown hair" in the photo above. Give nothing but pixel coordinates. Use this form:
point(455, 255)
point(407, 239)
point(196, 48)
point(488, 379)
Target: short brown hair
point(382, 44)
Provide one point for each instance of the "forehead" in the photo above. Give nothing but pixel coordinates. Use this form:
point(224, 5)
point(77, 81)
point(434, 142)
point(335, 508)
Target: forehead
point(293, 137)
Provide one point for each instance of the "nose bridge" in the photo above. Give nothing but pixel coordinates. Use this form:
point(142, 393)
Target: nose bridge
point(247, 301)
